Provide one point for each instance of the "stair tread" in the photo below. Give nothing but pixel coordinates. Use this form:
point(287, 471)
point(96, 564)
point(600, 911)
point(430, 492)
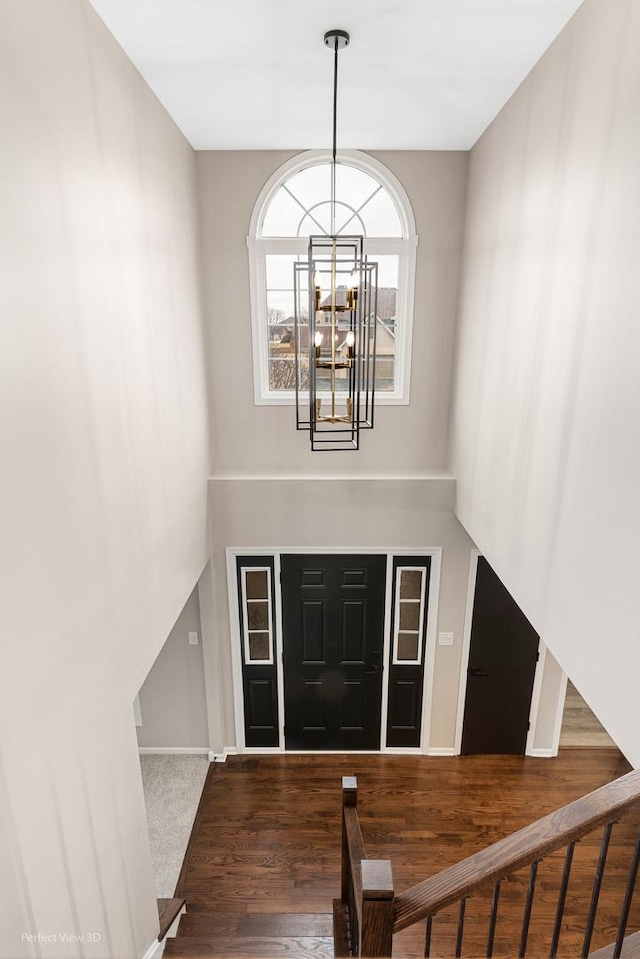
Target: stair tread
point(250, 947)
point(630, 949)
point(256, 924)
point(168, 910)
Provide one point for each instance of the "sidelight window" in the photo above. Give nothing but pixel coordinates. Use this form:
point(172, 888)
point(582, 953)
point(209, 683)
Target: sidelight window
point(409, 615)
point(258, 615)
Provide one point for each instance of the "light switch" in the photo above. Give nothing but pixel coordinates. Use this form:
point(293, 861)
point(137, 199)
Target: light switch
point(193, 639)
point(445, 639)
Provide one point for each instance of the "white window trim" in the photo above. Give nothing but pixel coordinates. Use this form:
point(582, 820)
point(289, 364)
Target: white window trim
point(245, 615)
point(260, 247)
point(396, 623)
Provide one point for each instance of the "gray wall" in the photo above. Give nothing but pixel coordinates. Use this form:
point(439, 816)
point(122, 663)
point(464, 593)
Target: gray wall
point(259, 440)
point(545, 439)
point(378, 513)
point(172, 698)
point(265, 487)
point(105, 453)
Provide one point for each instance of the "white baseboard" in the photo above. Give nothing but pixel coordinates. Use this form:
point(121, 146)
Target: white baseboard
point(542, 753)
point(178, 750)
point(222, 757)
point(441, 751)
point(155, 950)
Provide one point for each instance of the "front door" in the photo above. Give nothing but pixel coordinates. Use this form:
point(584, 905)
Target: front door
point(333, 623)
point(502, 664)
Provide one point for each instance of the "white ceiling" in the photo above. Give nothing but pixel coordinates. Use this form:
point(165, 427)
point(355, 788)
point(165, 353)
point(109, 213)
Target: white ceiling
point(255, 74)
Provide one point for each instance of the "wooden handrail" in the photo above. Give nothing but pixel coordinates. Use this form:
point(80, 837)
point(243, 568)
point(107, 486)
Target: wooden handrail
point(528, 845)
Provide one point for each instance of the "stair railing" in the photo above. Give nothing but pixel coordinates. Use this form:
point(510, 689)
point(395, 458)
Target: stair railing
point(367, 886)
point(374, 914)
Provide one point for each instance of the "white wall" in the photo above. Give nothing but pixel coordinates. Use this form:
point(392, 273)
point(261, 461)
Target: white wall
point(173, 702)
point(545, 439)
point(252, 440)
point(105, 454)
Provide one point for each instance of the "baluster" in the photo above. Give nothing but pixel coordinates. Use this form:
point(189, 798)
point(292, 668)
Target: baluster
point(493, 919)
point(562, 898)
point(463, 906)
point(427, 938)
point(527, 909)
point(597, 885)
point(624, 915)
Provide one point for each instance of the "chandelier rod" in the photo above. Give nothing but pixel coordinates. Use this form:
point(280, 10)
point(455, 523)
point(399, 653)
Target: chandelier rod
point(335, 96)
point(336, 39)
point(335, 136)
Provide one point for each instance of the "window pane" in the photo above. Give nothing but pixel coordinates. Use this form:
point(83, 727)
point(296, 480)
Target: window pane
point(279, 271)
point(410, 583)
point(282, 216)
point(256, 584)
point(410, 616)
point(279, 309)
point(316, 221)
point(385, 374)
point(281, 320)
point(387, 270)
point(312, 185)
point(259, 646)
point(349, 223)
point(354, 186)
point(258, 615)
point(386, 309)
point(381, 217)
point(407, 646)
point(282, 356)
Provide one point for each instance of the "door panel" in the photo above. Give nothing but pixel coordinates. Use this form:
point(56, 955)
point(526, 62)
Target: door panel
point(410, 590)
point(314, 633)
point(259, 673)
point(354, 631)
point(333, 620)
point(502, 663)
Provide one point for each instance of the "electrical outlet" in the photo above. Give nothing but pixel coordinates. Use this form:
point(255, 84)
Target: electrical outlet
point(445, 639)
point(193, 639)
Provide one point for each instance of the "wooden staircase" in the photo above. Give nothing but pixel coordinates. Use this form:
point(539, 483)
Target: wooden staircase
point(204, 933)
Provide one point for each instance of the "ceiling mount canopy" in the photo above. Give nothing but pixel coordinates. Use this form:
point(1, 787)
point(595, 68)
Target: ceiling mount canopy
point(337, 39)
point(335, 291)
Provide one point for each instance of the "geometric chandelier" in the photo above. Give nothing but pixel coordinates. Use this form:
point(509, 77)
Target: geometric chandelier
point(335, 293)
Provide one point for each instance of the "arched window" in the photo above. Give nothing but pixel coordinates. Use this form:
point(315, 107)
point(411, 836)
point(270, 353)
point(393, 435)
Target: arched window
point(294, 204)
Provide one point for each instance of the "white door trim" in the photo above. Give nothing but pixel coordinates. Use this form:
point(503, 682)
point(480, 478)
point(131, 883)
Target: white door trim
point(232, 552)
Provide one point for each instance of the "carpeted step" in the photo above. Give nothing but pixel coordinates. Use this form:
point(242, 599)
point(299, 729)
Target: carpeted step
point(250, 947)
point(256, 924)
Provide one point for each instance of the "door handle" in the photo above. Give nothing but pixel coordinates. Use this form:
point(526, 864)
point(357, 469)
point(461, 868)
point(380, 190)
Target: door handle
point(372, 668)
point(474, 671)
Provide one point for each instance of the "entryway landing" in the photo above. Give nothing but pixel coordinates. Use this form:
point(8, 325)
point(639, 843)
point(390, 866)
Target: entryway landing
point(265, 848)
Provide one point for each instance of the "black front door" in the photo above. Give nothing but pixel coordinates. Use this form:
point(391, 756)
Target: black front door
point(502, 664)
point(332, 617)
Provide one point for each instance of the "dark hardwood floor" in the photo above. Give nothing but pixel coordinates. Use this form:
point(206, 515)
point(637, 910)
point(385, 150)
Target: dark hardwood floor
point(266, 843)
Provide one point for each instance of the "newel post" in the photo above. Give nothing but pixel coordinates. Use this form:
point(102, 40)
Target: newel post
point(377, 908)
point(349, 798)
